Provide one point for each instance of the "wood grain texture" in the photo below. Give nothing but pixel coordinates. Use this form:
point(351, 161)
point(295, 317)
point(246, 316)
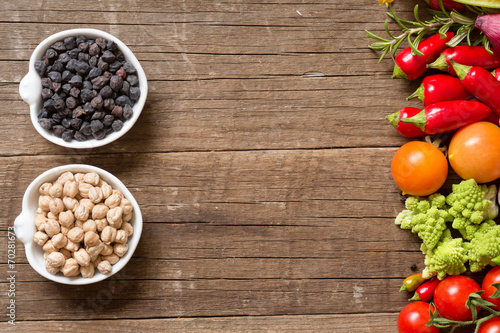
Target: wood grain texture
point(260, 163)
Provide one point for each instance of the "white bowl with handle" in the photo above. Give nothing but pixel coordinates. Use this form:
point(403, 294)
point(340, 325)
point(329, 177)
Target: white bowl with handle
point(24, 225)
point(30, 88)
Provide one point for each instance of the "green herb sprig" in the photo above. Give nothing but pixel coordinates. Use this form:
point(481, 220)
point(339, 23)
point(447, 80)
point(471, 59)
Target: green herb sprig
point(414, 31)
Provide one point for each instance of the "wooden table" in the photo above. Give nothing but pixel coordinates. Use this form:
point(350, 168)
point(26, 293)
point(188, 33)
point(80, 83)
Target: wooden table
point(261, 164)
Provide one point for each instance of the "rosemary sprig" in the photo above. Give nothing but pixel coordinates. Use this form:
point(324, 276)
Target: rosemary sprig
point(414, 31)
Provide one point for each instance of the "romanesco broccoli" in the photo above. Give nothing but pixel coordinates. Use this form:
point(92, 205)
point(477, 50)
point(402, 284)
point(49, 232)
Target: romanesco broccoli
point(425, 217)
point(448, 257)
point(470, 204)
point(484, 246)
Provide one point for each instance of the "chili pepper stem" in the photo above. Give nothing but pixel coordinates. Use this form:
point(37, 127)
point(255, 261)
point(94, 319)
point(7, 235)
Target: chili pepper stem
point(398, 73)
point(460, 69)
point(419, 93)
point(440, 63)
point(415, 298)
point(418, 120)
point(394, 118)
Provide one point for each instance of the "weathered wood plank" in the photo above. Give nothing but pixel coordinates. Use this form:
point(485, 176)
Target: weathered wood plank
point(380, 322)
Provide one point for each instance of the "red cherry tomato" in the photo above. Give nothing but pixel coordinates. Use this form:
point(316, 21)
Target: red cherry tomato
point(451, 294)
point(490, 326)
point(418, 168)
point(474, 152)
point(493, 276)
point(413, 317)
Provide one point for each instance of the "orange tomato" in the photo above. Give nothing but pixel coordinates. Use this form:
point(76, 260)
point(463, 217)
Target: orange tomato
point(474, 152)
point(419, 168)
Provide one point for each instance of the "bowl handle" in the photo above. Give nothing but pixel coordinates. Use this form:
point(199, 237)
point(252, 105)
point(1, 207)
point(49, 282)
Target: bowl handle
point(30, 87)
point(20, 228)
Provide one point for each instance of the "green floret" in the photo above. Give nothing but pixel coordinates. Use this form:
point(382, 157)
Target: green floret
point(448, 257)
point(484, 246)
point(470, 204)
point(425, 217)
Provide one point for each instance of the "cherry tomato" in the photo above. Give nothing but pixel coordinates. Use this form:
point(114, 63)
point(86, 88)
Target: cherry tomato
point(490, 326)
point(474, 152)
point(451, 294)
point(419, 169)
point(413, 317)
point(493, 276)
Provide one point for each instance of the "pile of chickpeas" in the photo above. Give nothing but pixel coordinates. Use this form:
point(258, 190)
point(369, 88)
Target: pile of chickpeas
point(83, 224)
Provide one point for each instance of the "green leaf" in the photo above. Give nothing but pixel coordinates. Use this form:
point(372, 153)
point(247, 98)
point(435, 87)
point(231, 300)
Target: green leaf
point(372, 35)
point(496, 294)
point(461, 19)
point(459, 37)
point(414, 49)
point(481, 3)
point(396, 46)
point(386, 25)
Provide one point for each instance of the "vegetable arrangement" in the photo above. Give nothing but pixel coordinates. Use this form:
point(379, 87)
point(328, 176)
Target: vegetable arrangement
point(456, 55)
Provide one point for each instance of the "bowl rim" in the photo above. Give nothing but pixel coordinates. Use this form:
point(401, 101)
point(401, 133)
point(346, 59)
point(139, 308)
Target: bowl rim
point(26, 236)
point(30, 88)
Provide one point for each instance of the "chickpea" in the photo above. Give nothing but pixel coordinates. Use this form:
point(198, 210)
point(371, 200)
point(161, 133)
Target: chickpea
point(89, 225)
point(40, 238)
point(97, 261)
point(65, 253)
point(120, 249)
point(44, 202)
point(87, 271)
point(126, 206)
point(76, 235)
point(56, 206)
point(70, 189)
point(83, 189)
point(52, 227)
point(59, 241)
point(99, 211)
point(49, 247)
point(40, 220)
point(79, 177)
point(82, 213)
point(91, 178)
point(87, 203)
point(66, 218)
point(121, 236)
point(44, 188)
point(66, 177)
point(112, 258)
point(52, 216)
point(101, 224)
point(79, 224)
point(94, 251)
point(52, 270)
point(95, 194)
point(70, 268)
point(56, 190)
point(70, 203)
point(106, 250)
point(129, 229)
point(114, 217)
point(91, 239)
point(40, 211)
point(128, 217)
point(82, 257)
point(106, 190)
point(65, 230)
point(56, 259)
point(104, 267)
point(71, 246)
point(113, 200)
point(108, 235)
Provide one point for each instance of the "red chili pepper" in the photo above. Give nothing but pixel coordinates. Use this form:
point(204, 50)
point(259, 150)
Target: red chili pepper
point(448, 5)
point(425, 291)
point(480, 83)
point(411, 67)
point(407, 130)
point(466, 55)
point(496, 74)
point(445, 116)
point(440, 88)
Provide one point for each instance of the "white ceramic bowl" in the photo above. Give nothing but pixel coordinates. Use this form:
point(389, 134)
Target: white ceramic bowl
point(30, 88)
point(24, 226)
